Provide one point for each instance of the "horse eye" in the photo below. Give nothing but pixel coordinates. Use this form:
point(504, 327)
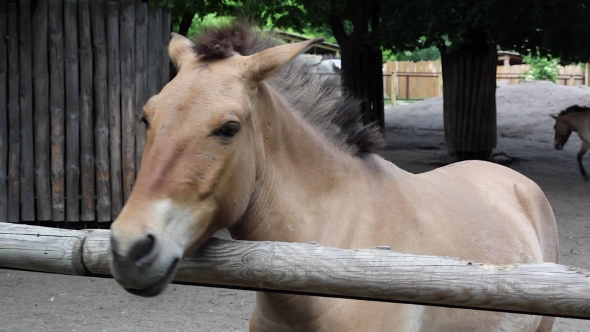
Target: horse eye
point(227, 131)
point(145, 121)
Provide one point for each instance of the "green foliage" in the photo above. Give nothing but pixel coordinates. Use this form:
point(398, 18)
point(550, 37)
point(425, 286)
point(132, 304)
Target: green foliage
point(209, 19)
point(424, 54)
point(541, 69)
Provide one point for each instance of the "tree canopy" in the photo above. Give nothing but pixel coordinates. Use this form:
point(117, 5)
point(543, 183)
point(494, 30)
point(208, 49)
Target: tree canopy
point(466, 32)
point(547, 28)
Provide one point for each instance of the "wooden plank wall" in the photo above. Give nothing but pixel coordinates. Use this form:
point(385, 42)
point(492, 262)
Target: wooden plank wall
point(74, 76)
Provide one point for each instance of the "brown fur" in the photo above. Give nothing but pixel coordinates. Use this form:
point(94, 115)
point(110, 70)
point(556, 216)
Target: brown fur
point(573, 119)
point(280, 179)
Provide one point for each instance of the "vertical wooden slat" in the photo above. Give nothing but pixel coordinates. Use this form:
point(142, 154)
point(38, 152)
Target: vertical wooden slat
point(27, 162)
point(87, 212)
point(166, 29)
point(13, 116)
point(101, 129)
point(56, 104)
point(141, 76)
point(114, 96)
point(128, 95)
point(155, 47)
point(72, 111)
point(42, 112)
point(3, 114)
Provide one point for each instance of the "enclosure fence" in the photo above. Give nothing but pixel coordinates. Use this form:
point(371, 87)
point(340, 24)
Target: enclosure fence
point(421, 80)
point(374, 274)
point(74, 76)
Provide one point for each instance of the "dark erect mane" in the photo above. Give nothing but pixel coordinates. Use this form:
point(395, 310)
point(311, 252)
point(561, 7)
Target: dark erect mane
point(318, 98)
point(574, 109)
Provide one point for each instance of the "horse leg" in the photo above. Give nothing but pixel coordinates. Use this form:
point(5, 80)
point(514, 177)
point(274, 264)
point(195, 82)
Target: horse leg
point(583, 149)
point(546, 324)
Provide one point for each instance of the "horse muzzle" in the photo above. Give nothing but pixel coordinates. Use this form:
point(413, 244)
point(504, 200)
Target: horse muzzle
point(145, 268)
point(558, 146)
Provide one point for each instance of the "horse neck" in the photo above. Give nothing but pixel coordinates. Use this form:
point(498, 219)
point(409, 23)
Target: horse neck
point(577, 121)
point(299, 174)
point(307, 192)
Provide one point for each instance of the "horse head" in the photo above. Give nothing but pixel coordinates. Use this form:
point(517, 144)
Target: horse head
point(201, 161)
point(562, 132)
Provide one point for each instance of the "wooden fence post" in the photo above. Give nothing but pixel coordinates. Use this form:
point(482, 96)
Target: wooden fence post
point(27, 162)
point(101, 129)
point(141, 76)
point(72, 84)
point(114, 105)
point(86, 113)
point(128, 102)
point(155, 49)
point(42, 112)
point(13, 116)
point(3, 113)
point(166, 29)
point(393, 85)
point(56, 104)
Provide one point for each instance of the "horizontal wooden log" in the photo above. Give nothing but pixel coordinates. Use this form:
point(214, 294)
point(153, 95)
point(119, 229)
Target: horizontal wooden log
point(376, 274)
point(42, 249)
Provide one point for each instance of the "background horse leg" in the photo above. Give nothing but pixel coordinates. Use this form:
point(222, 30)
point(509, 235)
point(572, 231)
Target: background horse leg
point(583, 149)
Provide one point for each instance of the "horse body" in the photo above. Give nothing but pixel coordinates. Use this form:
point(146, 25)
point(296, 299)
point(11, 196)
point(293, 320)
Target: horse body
point(502, 218)
point(229, 146)
point(573, 119)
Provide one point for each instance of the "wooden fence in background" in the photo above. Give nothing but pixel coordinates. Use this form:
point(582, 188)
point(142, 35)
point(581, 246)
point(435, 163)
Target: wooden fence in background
point(568, 75)
point(74, 76)
point(420, 80)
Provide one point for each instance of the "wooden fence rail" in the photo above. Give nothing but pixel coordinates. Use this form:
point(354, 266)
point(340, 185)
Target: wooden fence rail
point(74, 75)
point(376, 274)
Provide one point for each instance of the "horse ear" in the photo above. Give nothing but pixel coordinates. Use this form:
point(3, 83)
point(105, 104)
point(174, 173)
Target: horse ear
point(263, 64)
point(553, 116)
point(179, 48)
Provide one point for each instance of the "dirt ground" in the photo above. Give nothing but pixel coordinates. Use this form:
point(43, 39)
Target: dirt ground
point(31, 301)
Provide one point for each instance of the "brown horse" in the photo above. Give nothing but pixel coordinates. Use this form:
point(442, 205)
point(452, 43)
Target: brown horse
point(244, 138)
point(574, 118)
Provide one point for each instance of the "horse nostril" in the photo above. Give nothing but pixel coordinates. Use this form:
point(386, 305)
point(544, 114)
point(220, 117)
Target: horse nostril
point(143, 251)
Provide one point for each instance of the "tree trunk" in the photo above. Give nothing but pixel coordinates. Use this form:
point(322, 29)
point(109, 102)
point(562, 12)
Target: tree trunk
point(362, 73)
point(362, 76)
point(185, 23)
point(469, 99)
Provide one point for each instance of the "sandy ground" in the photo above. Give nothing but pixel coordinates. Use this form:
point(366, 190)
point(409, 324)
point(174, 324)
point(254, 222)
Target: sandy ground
point(31, 301)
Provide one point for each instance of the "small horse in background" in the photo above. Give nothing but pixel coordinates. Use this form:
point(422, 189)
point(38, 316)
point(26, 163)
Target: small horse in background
point(574, 118)
point(246, 138)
